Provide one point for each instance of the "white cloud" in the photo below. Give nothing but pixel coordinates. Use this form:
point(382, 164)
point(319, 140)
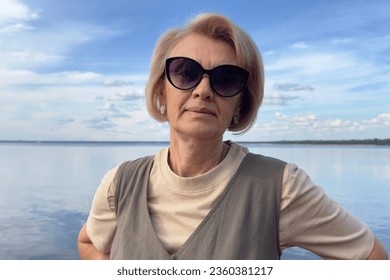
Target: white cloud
point(13, 28)
point(28, 78)
point(15, 57)
point(116, 82)
point(300, 45)
point(292, 87)
point(342, 41)
point(329, 78)
point(70, 105)
point(335, 123)
point(73, 77)
point(14, 10)
point(311, 126)
point(313, 63)
point(279, 99)
point(103, 123)
point(382, 119)
point(125, 81)
point(14, 15)
point(29, 57)
point(133, 93)
point(25, 45)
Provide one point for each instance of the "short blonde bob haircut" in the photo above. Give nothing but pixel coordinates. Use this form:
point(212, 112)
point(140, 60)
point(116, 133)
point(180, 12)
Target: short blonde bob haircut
point(217, 27)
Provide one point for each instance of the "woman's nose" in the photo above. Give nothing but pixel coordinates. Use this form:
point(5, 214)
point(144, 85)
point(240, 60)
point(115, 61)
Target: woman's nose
point(203, 89)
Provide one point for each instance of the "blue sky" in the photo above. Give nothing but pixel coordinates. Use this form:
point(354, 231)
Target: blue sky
point(76, 70)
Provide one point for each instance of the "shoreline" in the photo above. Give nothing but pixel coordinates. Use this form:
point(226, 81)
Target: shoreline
point(350, 142)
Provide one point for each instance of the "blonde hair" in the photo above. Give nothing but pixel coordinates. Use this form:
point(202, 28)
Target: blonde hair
point(248, 57)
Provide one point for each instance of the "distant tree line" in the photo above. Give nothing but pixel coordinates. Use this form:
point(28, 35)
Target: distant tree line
point(375, 141)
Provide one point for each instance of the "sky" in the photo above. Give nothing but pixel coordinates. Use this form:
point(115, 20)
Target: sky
point(76, 70)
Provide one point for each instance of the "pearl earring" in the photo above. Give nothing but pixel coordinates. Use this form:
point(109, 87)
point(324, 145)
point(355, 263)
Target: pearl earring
point(236, 119)
point(163, 110)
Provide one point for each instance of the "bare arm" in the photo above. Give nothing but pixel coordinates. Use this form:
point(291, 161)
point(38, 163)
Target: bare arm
point(87, 250)
point(378, 252)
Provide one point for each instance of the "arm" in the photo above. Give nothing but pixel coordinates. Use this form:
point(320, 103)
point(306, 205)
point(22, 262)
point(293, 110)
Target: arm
point(101, 222)
point(311, 220)
point(87, 250)
point(378, 252)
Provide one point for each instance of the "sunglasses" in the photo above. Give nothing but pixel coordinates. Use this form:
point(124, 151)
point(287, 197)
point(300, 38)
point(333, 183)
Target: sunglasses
point(185, 73)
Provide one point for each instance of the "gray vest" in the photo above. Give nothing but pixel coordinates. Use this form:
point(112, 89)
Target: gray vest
point(243, 223)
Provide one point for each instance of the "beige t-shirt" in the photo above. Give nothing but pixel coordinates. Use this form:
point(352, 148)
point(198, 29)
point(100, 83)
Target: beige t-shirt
point(308, 218)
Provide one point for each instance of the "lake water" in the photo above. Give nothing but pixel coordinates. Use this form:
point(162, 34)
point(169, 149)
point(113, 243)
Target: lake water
point(47, 189)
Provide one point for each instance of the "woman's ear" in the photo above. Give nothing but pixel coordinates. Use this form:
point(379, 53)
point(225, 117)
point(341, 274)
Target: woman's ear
point(236, 115)
point(161, 100)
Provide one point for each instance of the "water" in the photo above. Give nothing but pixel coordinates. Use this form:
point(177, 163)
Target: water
point(46, 189)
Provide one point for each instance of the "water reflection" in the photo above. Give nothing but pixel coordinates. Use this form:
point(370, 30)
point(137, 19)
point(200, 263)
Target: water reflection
point(41, 235)
point(47, 190)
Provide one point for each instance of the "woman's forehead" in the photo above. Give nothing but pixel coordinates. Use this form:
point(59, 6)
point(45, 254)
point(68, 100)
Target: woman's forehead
point(207, 51)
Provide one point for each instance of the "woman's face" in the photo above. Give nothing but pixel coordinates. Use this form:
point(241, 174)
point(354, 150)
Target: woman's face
point(199, 112)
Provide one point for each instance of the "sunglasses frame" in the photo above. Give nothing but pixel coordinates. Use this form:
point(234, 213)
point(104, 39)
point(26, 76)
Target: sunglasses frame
point(205, 71)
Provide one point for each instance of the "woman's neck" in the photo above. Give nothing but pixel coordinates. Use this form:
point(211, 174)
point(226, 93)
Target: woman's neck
point(192, 157)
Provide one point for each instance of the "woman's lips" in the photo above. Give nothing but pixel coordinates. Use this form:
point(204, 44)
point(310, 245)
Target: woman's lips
point(200, 110)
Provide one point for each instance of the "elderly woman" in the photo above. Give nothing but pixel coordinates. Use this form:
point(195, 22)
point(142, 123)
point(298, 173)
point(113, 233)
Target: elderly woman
point(201, 197)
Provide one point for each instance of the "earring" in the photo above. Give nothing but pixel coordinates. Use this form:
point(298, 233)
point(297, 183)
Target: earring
point(163, 110)
point(236, 119)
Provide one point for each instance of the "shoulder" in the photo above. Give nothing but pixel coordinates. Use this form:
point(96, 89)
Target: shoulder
point(108, 184)
point(130, 175)
point(264, 165)
point(129, 168)
point(297, 185)
point(266, 159)
point(253, 158)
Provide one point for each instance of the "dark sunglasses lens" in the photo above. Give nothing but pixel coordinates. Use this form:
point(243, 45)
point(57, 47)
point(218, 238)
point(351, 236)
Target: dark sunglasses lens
point(228, 80)
point(184, 73)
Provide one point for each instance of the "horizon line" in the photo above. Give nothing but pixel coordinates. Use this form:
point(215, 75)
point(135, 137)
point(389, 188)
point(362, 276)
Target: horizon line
point(367, 141)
